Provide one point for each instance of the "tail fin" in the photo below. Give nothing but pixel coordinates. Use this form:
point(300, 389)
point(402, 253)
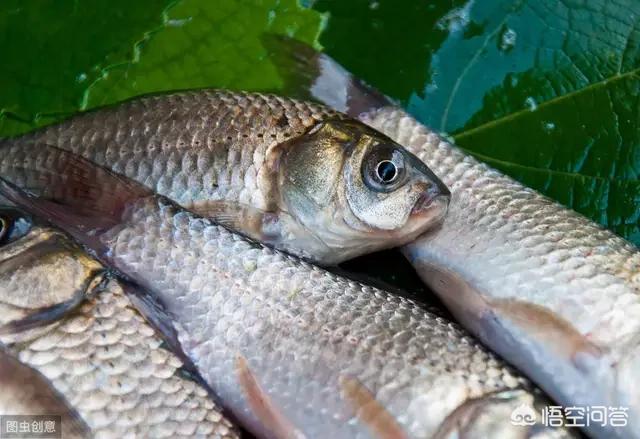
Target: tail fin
point(73, 193)
point(309, 74)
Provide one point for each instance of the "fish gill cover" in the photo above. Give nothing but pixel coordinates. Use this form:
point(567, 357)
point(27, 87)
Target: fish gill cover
point(545, 90)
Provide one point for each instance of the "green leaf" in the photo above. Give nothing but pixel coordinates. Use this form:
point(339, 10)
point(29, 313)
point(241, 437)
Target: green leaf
point(51, 50)
point(63, 56)
point(544, 90)
point(209, 44)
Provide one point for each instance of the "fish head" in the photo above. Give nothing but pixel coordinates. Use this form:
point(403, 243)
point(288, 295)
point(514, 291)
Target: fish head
point(358, 191)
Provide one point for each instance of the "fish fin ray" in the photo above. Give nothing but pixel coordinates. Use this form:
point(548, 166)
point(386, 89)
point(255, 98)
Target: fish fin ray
point(381, 423)
point(504, 323)
point(72, 192)
point(261, 404)
point(265, 227)
point(310, 74)
point(546, 327)
point(238, 217)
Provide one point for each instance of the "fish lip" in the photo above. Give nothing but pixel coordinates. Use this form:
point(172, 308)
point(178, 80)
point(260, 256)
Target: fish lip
point(429, 200)
point(435, 194)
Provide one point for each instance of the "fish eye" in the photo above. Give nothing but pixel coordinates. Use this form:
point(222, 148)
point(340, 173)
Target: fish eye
point(384, 168)
point(3, 228)
point(13, 225)
point(387, 171)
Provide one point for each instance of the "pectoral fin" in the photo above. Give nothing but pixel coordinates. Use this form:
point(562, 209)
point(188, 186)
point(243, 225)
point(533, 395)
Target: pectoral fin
point(274, 229)
point(380, 422)
point(72, 193)
point(250, 221)
point(264, 408)
point(534, 338)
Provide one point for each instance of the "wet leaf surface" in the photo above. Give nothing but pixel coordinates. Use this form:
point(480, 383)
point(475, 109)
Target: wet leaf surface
point(209, 44)
point(63, 56)
point(52, 50)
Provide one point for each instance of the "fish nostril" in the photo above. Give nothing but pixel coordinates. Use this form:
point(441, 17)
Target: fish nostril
point(439, 188)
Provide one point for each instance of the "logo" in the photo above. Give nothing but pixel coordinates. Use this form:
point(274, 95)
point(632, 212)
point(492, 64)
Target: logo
point(558, 416)
point(523, 415)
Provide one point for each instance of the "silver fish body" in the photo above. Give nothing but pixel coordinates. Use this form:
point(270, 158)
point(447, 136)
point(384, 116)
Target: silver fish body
point(549, 290)
point(296, 175)
point(100, 366)
point(291, 349)
point(552, 292)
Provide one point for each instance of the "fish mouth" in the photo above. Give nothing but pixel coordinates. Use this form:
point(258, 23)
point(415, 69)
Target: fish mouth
point(429, 201)
point(434, 197)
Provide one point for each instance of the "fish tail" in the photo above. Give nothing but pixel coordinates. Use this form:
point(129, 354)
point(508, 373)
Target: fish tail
point(309, 74)
point(74, 194)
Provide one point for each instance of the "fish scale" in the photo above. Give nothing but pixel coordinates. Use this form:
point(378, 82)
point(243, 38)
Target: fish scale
point(290, 348)
point(552, 292)
point(511, 243)
point(109, 366)
point(99, 364)
point(572, 257)
point(243, 325)
point(222, 134)
point(296, 351)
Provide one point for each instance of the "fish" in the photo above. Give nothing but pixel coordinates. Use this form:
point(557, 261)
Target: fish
point(25, 391)
point(87, 354)
point(553, 293)
point(295, 175)
point(290, 349)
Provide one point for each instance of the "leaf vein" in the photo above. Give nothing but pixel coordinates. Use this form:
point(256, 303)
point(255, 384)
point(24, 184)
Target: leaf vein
point(465, 133)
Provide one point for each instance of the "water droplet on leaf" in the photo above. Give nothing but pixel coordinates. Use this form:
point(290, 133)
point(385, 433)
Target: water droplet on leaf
point(531, 103)
point(177, 22)
point(457, 19)
point(507, 39)
point(548, 127)
point(446, 137)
